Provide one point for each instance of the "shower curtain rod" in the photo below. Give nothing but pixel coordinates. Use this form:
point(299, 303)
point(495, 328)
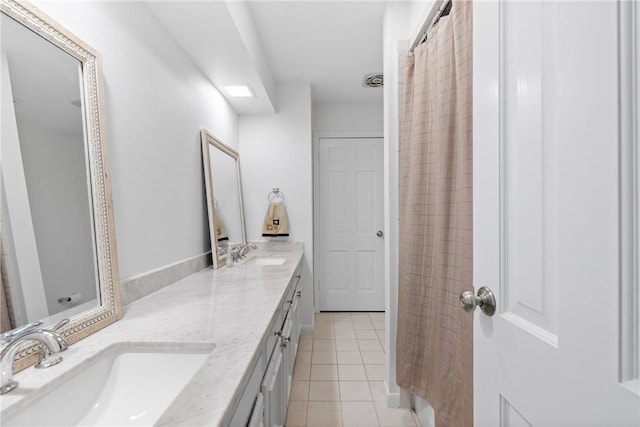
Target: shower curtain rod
point(438, 9)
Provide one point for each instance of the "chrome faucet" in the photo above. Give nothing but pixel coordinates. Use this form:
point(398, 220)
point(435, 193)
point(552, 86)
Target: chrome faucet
point(52, 344)
point(244, 249)
point(233, 255)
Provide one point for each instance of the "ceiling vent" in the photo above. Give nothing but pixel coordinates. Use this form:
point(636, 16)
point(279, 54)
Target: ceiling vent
point(373, 80)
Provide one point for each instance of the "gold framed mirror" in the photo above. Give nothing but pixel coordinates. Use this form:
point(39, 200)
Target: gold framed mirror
point(223, 182)
point(58, 237)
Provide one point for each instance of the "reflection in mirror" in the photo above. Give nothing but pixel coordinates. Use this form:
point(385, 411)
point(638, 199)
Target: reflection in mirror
point(57, 245)
point(46, 205)
point(224, 197)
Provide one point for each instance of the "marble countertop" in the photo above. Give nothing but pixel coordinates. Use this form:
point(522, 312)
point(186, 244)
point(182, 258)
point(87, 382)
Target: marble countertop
point(230, 307)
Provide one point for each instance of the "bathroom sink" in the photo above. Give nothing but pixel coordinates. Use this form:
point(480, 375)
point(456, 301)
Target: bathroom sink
point(123, 385)
point(267, 260)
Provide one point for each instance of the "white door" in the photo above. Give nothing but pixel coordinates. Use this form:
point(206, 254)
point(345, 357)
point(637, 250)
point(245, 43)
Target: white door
point(351, 219)
point(550, 188)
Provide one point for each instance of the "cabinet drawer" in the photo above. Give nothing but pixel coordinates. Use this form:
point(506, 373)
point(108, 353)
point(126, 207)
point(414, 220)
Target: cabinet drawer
point(274, 333)
point(243, 410)
point(291, 292)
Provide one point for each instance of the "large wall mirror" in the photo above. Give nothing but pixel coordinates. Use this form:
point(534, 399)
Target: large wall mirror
point(224, 197)
point(58, 253)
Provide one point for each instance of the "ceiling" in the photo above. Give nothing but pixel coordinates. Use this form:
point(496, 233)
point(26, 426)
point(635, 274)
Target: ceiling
point(330, 44)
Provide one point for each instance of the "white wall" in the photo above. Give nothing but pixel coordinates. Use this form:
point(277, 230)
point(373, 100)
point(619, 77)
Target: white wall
point(395, 36)
point(22, 279)
point(275, 151)
point(156, 103)
point(348, 117)
point(57, 183)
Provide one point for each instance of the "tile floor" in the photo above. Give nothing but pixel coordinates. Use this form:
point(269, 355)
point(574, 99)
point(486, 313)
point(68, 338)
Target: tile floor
point(339, 373)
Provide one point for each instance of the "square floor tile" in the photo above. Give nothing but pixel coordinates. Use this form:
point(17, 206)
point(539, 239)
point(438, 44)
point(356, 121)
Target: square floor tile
point(343, 325)
point(369, 345)
point(394, 417)
point(380, 334)
point(351, 372)
point(324, 358)
point(305, 345)
point(297, 414)
point(324, 414)
point(366, 334)
point(374, 372)
point(301, 372)
point(325, 326)
point(359, 414)
point(324, 345)
point(324, 372)
point(357, 324)
point(303, 357)
point(299, 390)
point(324, 391)
point(347, 345)
point(352, 391)
point(372, 357)
point(378, 390)
point(347, 334)
point(378, 326)
point(307, 337)
point(324, 335)
point(349, 358)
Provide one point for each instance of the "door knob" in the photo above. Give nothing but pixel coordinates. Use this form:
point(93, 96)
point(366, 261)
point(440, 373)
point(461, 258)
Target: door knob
point(379, 233)
point(485, 300)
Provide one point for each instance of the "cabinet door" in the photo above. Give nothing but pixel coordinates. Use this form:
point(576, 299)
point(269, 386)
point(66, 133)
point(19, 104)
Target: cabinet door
point(257, 416)
point(273, 391)
point(289, 354)
point(295, 315)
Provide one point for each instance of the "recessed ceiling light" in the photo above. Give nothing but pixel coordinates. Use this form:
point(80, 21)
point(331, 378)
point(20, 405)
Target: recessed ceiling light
point(239, 91)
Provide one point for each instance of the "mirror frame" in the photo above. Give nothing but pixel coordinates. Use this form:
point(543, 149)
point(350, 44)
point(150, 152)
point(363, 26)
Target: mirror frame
point(208, 139)
point(92, 97)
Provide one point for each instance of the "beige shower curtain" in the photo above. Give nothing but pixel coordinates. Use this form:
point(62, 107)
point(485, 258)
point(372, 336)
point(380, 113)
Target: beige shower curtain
point(434, 344)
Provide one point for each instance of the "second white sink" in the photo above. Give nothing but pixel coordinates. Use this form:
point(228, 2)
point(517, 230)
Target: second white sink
point(124, 385)
point(267, 260)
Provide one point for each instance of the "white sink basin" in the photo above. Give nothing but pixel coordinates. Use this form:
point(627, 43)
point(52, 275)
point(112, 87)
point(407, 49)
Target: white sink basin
point(124, 385)
point(267, 260)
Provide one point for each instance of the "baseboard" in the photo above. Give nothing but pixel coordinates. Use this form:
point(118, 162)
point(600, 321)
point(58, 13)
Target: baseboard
point(393, 400)
point(138, 287)
point(306, 329)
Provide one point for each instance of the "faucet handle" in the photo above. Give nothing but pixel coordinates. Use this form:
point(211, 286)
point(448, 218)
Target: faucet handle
point(62, 341)
point(50, 358)
point(9, 336)
point(61, 324)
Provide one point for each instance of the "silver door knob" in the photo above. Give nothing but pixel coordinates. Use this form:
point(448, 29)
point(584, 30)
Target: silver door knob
point(485, 300)
point(379, 233)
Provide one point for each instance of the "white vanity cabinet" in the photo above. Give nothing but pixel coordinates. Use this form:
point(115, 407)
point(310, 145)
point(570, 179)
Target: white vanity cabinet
point(291, 336)
point(266, 405)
